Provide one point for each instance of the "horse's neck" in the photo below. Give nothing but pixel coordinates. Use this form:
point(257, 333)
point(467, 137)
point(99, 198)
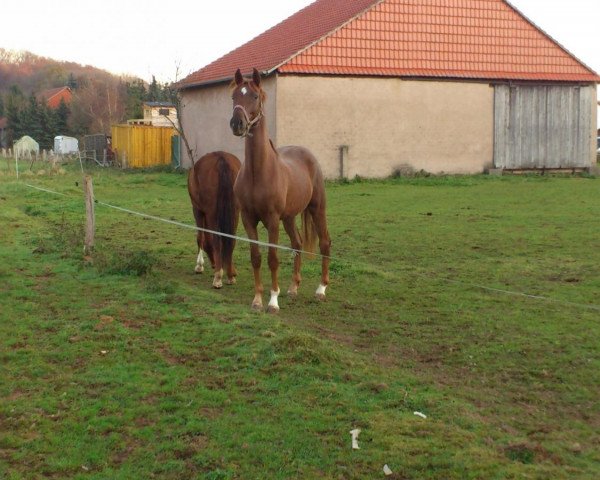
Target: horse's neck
point(261, 157)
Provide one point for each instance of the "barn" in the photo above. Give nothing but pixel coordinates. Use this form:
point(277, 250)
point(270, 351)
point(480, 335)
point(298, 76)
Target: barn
point(377, 87)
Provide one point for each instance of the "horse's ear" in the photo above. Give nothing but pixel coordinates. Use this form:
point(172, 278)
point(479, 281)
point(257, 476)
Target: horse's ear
point(256, 77)
point(239, 79)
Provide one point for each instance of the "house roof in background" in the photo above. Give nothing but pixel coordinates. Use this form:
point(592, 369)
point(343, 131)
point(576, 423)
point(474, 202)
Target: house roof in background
point(478, 39)
point(52, 92)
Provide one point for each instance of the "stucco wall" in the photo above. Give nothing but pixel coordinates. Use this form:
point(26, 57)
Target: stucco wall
point(387, 123)
point(206, 113)
point(594, 129)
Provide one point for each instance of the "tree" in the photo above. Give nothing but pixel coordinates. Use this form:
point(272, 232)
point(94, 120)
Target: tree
point(14, 105)
point(48, 120)
point(96, 106)
point(1, 106)
point(154, 91)
point(61, 118)
point(136, 94)
point(72, 82)
point(31, 119)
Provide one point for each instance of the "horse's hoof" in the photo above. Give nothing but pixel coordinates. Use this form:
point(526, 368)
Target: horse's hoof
point(272, 309)
point(199, 269)
point(231, 281)
point(257, 307)
point(320, 293)
point(218, 285)
point(292, 292)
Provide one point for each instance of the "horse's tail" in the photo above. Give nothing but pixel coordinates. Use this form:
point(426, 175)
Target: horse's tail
point(309, 233)
point(225, 206)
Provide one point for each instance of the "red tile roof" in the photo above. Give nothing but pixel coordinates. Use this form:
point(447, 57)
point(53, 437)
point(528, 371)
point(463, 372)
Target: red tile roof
point(283, 41)
point(475, 39)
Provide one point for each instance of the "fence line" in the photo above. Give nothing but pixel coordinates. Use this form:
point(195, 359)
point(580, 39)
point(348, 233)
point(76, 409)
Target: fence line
point(296, 252)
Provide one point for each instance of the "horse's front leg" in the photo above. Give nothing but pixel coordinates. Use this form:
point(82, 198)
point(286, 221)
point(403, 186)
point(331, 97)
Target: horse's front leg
point(250, 224)
point(273, 229)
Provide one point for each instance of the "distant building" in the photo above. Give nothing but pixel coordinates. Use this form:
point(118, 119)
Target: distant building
point(53, 96)
point(158, 114)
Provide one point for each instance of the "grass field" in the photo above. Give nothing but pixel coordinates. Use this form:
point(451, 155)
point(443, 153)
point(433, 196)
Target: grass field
point(127, 365)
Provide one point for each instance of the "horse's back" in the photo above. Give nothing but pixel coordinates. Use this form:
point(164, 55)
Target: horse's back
point(301, 160)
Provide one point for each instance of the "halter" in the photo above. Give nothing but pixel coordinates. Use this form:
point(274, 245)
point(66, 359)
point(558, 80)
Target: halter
point(250, 123)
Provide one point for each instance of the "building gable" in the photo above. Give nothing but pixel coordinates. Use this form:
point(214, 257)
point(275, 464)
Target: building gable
point(478, 39)
point(487, 39)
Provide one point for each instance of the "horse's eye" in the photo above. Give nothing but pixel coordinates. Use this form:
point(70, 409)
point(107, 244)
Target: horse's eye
point(255, 97)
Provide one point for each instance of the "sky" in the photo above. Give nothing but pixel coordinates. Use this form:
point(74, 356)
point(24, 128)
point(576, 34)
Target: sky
point(171, 40)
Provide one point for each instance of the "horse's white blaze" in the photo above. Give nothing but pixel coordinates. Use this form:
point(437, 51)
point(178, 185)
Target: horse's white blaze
point(200, 262)
point(244, 90)
point(273, 302)
point(321, 290)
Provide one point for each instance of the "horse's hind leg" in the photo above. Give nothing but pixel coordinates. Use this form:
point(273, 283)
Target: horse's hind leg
point(217, 254)
point(290, 227)
point(320, 220)
point(200, 223)
point(229, 266)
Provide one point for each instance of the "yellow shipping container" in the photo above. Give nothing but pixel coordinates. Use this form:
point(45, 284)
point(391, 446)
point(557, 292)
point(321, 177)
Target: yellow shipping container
point(142, 145)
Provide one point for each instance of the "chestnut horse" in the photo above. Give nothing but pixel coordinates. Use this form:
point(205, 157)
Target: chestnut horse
point(276, 185)
point(210, 185)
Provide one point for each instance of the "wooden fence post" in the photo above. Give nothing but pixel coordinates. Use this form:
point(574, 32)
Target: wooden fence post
point(90, 219)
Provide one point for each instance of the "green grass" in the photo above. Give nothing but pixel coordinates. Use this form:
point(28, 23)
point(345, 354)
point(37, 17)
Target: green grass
point(128, 365)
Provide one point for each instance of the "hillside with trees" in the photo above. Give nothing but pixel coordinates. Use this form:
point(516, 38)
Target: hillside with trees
point(99, 98)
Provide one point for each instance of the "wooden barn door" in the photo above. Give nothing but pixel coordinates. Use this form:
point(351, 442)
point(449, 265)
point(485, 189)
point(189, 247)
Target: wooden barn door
point(542, 126)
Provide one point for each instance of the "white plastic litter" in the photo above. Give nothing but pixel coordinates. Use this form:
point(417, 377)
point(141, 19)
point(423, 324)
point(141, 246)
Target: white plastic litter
point(419, 414)
point(387, 470)
point(354, 434)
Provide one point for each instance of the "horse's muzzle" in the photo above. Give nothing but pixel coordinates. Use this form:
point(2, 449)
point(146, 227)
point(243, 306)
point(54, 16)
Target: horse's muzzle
point(237, 126)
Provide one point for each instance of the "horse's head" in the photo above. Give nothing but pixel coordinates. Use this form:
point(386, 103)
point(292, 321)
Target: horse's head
point(248, 98)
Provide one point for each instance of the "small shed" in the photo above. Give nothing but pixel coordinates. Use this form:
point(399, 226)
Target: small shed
point(65, 145)
point(26, 146)
point(160, 114)
point(142, 145)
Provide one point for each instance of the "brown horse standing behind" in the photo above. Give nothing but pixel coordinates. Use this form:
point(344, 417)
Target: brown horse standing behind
point(276, 185)
point(210, 185)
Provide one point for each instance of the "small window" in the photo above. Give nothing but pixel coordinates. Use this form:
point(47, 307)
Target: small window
point(164, 111)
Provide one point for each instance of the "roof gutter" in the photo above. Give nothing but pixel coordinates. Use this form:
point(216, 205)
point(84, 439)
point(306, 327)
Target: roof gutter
point(217, 81)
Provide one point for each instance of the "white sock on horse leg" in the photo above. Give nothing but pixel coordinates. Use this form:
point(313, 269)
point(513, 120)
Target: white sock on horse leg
point(273, 302)
point(200, 262)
